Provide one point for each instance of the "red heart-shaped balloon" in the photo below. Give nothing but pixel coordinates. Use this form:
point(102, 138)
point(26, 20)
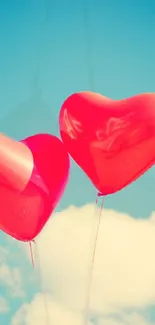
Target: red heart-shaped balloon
point(24, 214)
point(113, 141)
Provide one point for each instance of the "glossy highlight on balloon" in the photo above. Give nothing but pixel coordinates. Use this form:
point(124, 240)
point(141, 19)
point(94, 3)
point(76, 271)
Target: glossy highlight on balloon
point(16, 163)
point(24, 214)
point(113, 141)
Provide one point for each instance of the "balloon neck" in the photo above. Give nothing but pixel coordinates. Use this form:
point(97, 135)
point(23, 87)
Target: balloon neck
point(100, 194)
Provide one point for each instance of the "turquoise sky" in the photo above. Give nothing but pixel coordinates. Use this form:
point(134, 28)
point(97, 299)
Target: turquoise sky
point(48, 50)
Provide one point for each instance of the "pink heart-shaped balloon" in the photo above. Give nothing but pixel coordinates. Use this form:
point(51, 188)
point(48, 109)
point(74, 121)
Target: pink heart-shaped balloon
point(23, 215)
point(113, 141)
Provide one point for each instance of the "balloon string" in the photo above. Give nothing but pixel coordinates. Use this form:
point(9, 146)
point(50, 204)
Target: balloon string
point(31, 254)
point(87, 310)
point(47, 317)
point(42, 286)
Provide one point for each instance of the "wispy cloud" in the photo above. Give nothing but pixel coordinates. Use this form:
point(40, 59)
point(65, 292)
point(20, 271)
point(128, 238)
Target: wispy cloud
point(10, 278)
point(4, 306)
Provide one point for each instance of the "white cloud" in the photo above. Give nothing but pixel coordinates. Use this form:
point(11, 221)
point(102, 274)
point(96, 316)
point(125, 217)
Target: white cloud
point(124, 270)
point(34, 313)
point(132, 319)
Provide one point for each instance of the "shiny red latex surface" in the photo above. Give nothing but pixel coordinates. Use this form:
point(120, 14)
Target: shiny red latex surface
point(24, 214)
point(113, 141)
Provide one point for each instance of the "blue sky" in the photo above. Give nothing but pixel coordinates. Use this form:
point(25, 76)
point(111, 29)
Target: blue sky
point(44, 53)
